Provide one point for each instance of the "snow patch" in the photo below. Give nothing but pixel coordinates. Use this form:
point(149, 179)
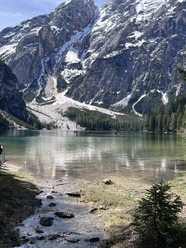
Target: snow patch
point(7, 50)
point(67, 2)
point(136, 35)
point(178, 89)
point(35, 30)
point(72, 57)
point(145, 8)
point(164, 98)
point(138, 44)
point(113, 54)
point(123, 102)
point(133, 106)
point(76, 38)
point(69, 74)
point(55, 29)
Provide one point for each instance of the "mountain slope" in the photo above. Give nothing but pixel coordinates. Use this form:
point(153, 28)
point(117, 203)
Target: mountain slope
point(122, 56)
point(11, 99)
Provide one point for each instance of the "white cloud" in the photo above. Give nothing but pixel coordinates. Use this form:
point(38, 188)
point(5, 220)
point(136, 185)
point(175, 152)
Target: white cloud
point(17, 14)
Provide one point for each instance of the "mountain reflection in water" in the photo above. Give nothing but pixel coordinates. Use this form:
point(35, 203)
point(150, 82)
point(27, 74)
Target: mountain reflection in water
point(89, 155)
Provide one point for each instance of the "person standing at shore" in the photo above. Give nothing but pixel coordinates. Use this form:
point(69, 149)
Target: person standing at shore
point(1, 154)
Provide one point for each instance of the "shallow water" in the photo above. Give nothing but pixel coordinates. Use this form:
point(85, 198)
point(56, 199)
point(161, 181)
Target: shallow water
point(63, 233)
point(89, 155)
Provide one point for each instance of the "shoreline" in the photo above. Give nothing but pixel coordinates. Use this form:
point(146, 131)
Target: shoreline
point(83, 230)
point(102, 213)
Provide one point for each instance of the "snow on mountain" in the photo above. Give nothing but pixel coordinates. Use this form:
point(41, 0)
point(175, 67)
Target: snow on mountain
point(121, 56)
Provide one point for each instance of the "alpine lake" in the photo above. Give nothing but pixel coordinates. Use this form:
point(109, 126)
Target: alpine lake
point(56, 154)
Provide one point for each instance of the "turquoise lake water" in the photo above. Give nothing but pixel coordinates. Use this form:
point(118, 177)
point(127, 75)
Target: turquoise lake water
point(89, 155)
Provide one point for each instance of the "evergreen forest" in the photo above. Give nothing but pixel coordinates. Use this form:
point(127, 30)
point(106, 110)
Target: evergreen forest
point(168, 118)
point(94, 120)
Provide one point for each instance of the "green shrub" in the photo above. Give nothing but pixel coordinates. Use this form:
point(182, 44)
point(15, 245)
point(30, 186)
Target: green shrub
point(156, 218)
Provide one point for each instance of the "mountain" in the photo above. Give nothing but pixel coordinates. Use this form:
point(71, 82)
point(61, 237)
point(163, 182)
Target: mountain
point(11, 99)
point(124, 56)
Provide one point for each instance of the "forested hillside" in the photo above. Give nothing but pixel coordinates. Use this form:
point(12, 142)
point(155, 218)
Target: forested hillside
point(94, 120)
point(168, 118)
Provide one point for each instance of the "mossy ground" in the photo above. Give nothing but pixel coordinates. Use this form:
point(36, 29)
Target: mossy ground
point(17, 202)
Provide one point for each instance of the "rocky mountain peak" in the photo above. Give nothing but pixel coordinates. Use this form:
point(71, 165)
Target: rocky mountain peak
point(124, 55)
point(34, 46)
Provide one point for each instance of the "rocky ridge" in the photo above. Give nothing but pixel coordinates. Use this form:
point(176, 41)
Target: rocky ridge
point(11, 99)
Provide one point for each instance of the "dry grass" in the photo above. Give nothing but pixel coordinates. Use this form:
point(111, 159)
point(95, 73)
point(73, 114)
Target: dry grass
point(120, 200)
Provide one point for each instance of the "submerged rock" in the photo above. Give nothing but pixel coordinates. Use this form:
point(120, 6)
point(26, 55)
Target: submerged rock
point(46, 221)
point(94, 239)
point(54, 236)
point(52, 204)
point(64, 214)
point(50, 197)
point(39, 230)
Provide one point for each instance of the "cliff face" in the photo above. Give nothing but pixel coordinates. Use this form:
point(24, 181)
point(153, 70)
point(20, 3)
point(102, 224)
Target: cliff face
point(37, 47)
point(124, 55)
point(11, 99)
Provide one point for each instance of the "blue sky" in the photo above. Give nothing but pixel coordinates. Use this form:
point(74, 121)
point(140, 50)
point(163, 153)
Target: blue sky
point(12, 12)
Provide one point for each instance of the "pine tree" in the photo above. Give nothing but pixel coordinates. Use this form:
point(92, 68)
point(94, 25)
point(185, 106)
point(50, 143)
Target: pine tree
point(155, 219)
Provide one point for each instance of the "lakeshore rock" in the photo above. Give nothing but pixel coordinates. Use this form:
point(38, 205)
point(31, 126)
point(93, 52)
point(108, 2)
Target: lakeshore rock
point(52, 204)
point(103, 207)
point(39, 230)
point(53, 236)
point(46, 221)
point(68, 215)
point(50, 197)
point(107, 181)
point(93, 210)
point(74, 194)
point(93, 240)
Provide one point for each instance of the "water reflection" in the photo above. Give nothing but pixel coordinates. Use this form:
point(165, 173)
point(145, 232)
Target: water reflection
point(54, 154)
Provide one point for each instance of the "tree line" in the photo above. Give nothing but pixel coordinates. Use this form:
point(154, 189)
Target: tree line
point(168, 118)
point(94, 120)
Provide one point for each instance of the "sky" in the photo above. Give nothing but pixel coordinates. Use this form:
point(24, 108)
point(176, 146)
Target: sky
point(12, 12)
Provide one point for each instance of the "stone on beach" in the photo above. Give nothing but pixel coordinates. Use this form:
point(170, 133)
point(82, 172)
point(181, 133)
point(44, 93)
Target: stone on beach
point(68, 215)
point(74, 194)
point(46, 221)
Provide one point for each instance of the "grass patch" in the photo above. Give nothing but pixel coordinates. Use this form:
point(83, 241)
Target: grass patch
point(120, 200)
point(17, 203)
